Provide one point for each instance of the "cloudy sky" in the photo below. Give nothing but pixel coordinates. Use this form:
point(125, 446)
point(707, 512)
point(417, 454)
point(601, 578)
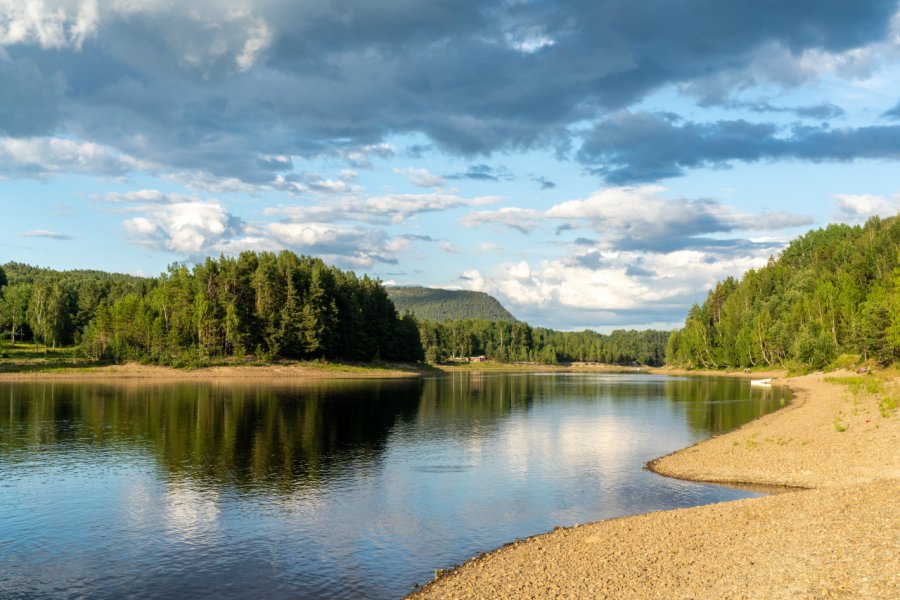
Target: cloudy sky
point(592, 163)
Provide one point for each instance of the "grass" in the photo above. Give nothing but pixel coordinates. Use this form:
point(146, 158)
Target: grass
point(840, 427)
point(887, 405)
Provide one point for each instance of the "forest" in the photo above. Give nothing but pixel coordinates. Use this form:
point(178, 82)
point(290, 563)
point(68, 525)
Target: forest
point(832, 295)
point(265, 305)
point(433, 304)
point(504, 341)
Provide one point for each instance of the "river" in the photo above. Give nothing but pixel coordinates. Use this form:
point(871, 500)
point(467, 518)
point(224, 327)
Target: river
point(329, 489)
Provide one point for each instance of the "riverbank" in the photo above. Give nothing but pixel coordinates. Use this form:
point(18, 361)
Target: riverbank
point(281, 371)
point(839, 436)
point(78, 369)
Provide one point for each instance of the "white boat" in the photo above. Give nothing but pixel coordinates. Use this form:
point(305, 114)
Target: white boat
point(762, 382)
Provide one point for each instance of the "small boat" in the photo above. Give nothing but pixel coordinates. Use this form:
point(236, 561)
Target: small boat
point(762, 382)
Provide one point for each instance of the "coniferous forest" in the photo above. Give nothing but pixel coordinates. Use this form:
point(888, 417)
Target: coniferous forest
point(433, 304)
point(272, 305)
point(832, 292)
point(265, 305)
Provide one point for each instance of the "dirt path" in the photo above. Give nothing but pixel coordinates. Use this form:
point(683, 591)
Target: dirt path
point(841, 540)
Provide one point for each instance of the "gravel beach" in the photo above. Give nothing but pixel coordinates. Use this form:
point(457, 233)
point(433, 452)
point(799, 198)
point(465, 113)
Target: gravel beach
point(840, 538)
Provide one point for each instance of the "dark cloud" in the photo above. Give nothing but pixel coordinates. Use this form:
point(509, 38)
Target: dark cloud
point(204, 86)
point(822, 111)
point(635, 270)
point(635, 147)
point(545, 183)
point(482, 172)
point(893, 113)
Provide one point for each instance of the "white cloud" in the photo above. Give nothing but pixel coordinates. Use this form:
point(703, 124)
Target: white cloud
point(46, 233)
point(390, 208)
point(49, 24)
point(41, 157)
point(315, 184)
point(194, 228)
point(361, 157)
point(641, 217)
point(189, 228)
point(420, 177)
point(525, 220)
point(600, 280)
point(858, 208)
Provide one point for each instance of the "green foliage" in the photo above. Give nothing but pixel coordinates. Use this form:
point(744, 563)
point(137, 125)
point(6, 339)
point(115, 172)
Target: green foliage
point(518, 342)
point(264, 304)
point(832, 292)
point(439, 305)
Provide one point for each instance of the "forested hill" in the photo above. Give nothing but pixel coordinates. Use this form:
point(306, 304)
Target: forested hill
point(448, 305)
point(263, 304)
point(831, 292)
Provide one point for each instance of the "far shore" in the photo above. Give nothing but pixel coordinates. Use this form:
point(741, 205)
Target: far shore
point(37, 370)
point(836, 536)
point(279, 371)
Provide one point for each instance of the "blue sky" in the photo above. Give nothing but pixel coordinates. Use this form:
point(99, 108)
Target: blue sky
point(592, 164)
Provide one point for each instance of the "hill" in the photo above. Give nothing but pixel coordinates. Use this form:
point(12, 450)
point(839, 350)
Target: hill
point(832, 291)
point(432, 304)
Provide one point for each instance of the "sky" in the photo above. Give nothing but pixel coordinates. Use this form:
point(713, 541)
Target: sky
point(591, 163)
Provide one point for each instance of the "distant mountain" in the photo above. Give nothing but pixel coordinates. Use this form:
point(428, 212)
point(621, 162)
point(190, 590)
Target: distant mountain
point(448, 305)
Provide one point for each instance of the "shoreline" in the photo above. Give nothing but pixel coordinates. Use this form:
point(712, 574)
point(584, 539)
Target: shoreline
point(279, 371)
point(287, 370)
point(836, 534)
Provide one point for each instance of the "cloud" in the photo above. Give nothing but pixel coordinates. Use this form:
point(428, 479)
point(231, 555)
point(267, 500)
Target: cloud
point(821, 111)
point(641, 218)
point(545, 183)
point(314, 183)
point(524, 220)
point(194, 228)
point(42, 157)
point(482, 172)
point(595, 287)
point(637, 147)
point(46, 233)
point(361, 157)
point(858, 208)
point(630, 218)
point(190, 228)
point(420, 177)
point(386, 209)
point(892, 113)
point(209, 86)
point(50, 27)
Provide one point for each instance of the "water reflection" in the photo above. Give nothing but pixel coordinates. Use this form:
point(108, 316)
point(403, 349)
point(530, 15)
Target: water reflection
point(333, 489)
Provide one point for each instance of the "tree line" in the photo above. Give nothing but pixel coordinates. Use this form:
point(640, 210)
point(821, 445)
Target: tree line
point(832, 292)
point(267, 305)
point(506, 341)
point(260, 304)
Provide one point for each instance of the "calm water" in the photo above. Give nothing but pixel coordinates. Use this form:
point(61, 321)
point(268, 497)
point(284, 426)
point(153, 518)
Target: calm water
point(335, 489)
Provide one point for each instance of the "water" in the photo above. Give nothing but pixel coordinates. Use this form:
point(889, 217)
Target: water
point(329, 489)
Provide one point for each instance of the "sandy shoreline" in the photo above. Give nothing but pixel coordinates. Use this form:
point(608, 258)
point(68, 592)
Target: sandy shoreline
point(839, 538)
point(294, 371)
point(285, 370)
